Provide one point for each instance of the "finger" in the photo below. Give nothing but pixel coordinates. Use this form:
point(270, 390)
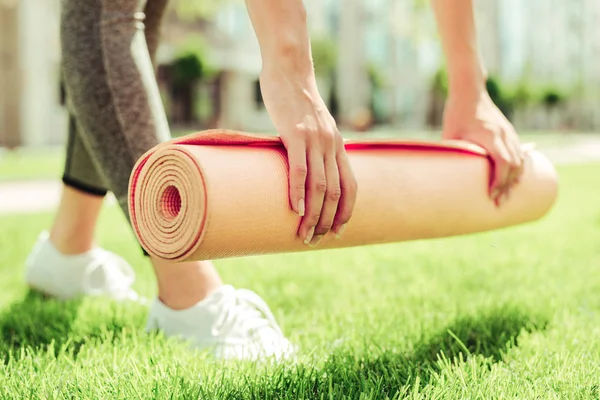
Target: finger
point(298, 172)
point(516, 168)
point(349, 192)
point(315, 193)
point(525, 149)
point(501, 159)
point(331, 199)
point(520, 167)
point(514, 164)
point(516, 156)
point(521, 171)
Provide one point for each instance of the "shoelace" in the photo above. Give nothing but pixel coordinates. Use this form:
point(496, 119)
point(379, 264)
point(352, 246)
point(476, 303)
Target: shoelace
point(119, 276)
point(249, 309)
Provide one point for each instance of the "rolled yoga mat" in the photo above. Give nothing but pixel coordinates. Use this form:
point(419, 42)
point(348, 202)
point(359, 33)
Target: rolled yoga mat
point(219, 193)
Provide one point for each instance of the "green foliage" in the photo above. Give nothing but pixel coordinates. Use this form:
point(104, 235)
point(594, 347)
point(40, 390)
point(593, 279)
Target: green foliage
point(378, 101)
point(324, 54)
point(439, 83)
point(191, 61)
point(553, 97)
point(376, 76)
point(187, 69)
point(421, 5)
point(508, 98)
point(190, 10)
point(500, 96)
point(523, 95)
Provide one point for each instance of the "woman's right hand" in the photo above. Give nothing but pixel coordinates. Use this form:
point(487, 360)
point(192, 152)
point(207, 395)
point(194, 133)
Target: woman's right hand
point(322, 186)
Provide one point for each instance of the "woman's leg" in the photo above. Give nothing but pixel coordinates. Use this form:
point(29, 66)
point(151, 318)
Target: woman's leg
point(118, 114)
point(82, 197)
point(111, 87)
point(83, 191)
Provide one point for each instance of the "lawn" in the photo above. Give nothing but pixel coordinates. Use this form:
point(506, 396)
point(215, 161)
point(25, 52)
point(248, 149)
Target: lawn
point(20, 164)
point(509, 314)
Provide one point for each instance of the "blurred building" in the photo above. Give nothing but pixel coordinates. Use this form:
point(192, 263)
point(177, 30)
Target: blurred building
point(552, 44)
point(30, 109)
point(235, 53)
point(10, 74)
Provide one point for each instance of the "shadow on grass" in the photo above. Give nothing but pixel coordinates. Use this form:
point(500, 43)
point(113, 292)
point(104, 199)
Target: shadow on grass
point(36, 321)
point(39, 323)
point(385, 374)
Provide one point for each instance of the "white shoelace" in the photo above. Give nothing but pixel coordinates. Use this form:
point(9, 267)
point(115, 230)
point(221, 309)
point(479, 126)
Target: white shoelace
point(119, 276)
point(248, 309)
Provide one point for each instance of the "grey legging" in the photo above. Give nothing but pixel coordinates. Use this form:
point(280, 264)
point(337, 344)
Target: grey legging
point(116, 113)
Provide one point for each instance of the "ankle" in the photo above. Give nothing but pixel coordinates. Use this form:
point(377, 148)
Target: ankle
point(178, 302)
point(71, 243)
point(75, 221)
point(178, 299)
point(182, 285)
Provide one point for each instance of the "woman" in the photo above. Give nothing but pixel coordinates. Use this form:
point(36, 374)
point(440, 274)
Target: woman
point(116, 116)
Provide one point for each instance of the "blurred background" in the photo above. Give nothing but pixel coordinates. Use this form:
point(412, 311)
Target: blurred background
point(379, 66)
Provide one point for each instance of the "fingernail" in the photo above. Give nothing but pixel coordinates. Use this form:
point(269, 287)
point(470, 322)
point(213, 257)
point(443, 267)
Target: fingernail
point(309, 235)
point(316, 240)
point(495, 194)
point(519, 178)
point(301, 207)
point(502, 199)
point(340, 231)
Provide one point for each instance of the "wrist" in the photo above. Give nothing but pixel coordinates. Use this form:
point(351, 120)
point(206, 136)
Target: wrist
point(291, 62)
point(286, 53)
point(467, 77)
point(467, 83)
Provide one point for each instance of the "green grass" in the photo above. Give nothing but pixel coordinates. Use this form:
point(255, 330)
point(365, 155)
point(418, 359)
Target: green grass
point(20, 164)
point(509, 314)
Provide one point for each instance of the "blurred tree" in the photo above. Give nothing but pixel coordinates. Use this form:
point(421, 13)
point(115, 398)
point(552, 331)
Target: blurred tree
point(378, 82)
point(325, 57)
point(196, 45)
point(553, 97)
point(440, 82)
point(409, 24)
point(189, 68)
point(499, 96)
point(438, 92)
point(352, 86)
point(193, 9)
point(324, 54)
point(523, 95)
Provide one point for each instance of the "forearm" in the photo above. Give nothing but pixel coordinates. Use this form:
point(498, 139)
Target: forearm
point(282, 33)
point(456, 25)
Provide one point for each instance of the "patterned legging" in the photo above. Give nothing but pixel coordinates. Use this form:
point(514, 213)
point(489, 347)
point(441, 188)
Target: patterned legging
point(116, 113)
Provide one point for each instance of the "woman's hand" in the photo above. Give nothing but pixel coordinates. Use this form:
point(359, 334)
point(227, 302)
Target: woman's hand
point(470, 114)
point(477, 119)
point(322, 187)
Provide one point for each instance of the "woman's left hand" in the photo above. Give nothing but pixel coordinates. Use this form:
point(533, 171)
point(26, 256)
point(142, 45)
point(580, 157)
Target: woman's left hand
point(478, 120)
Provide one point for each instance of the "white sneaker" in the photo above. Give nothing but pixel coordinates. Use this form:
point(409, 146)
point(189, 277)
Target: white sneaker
point(97, 272)
point(230, 323)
